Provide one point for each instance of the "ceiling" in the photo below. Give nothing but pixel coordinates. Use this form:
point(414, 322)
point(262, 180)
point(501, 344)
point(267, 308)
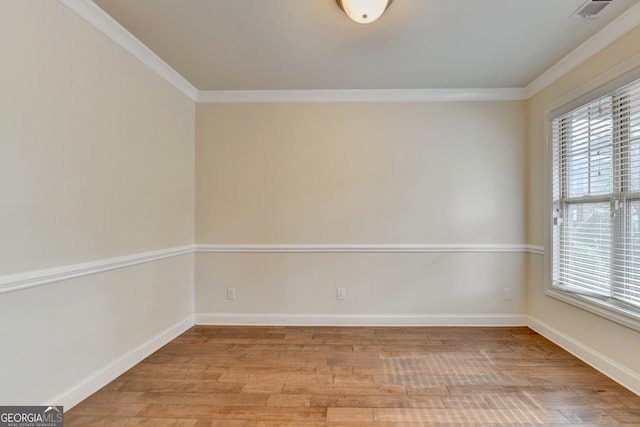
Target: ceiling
point(311, 44)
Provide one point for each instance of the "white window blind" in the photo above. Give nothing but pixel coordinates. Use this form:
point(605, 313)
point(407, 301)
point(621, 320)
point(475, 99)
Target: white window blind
point(596, 199)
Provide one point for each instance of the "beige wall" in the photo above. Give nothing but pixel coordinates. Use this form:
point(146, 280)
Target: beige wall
point(360, 173)
point(389, 288)
point(616, 343)
point(96, 161)
point(96, 156)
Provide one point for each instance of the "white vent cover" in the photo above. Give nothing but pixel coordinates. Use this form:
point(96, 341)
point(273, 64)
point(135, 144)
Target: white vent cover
point(592, 8)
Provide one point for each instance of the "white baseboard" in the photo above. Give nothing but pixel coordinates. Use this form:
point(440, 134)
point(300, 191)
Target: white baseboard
point(610, 368)
point(94, 382)
point(287, 319)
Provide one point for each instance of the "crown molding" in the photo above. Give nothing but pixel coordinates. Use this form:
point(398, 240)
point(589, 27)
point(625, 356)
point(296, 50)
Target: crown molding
point(594, 44)
point(103, 22)
point(361, 95)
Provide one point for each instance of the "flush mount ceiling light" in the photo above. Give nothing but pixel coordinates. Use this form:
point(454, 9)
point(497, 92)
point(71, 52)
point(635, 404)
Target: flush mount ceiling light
point(364, 11)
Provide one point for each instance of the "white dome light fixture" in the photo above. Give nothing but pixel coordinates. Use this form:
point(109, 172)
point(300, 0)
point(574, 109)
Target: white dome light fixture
point(364, 11)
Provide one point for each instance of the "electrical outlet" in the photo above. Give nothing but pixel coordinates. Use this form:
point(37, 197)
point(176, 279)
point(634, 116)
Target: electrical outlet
point(231, 293)
point(341, 294)
point(506, 294)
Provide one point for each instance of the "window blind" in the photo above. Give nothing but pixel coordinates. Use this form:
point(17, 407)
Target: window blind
point(596, 198)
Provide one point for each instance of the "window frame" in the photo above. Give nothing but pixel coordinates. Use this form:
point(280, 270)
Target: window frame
point(610, 81)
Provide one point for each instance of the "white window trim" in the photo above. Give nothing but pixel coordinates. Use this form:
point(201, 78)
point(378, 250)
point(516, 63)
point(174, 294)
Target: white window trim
point(616, 77)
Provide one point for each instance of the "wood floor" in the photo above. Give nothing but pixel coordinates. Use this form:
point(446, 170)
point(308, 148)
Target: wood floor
point(313, 376)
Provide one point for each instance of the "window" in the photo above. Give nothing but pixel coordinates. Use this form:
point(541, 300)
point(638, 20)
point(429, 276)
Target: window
point(595, 253)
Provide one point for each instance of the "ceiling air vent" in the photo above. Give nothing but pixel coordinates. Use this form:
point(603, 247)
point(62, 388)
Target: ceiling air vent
point(592, 7)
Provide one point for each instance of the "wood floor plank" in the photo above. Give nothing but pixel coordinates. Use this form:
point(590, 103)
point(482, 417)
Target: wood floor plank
point(271, 377)
point(336, 401)
point(237, 376)
point(110, 421)
point(237, 413)
point(359, 390)
point(351, 415)
point(289, 400)
point(263, 387)
point(479, 416)
point(156, 385)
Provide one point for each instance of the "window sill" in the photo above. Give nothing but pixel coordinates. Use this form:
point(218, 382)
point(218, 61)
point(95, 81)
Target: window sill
point(604, 309)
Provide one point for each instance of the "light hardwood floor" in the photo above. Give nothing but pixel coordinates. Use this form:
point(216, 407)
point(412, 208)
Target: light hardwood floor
point(339, 376)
